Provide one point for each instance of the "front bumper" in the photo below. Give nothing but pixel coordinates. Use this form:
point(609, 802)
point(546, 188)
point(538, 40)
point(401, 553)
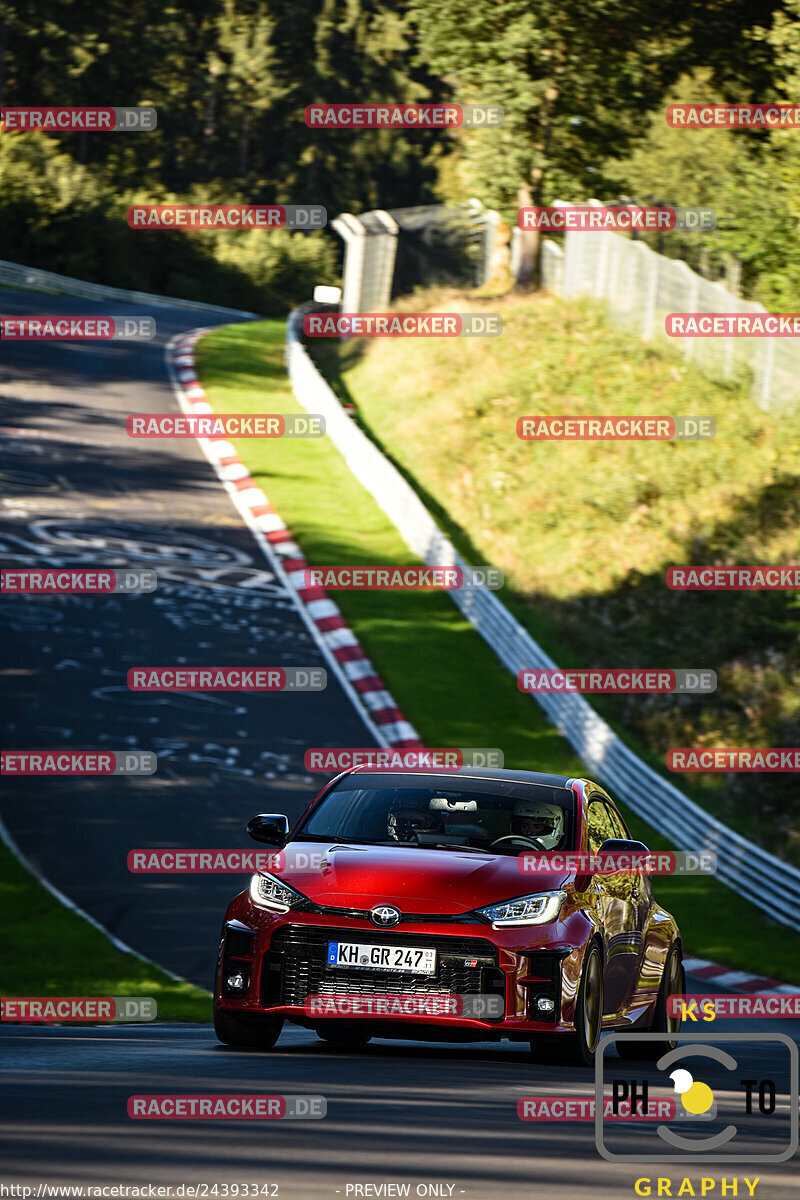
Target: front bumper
point(272, 964)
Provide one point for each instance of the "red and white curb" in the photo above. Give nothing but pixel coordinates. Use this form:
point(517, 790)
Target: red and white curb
point(355, 671)
point(735, 981)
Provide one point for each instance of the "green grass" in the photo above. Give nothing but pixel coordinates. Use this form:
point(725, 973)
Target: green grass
point(585, 530)
point(48, 950)
point(441, 673)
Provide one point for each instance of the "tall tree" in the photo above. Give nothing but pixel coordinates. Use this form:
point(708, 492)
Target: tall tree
point(244, 45)
point(576, 82)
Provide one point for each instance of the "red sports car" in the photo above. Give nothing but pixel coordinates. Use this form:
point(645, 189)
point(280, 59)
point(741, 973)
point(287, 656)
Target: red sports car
point(402, 904)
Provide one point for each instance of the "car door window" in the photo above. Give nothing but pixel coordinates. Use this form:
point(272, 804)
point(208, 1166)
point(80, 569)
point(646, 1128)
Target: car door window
point(598, 825)
point(638, 881)
point(620, 829)
point(602, 824)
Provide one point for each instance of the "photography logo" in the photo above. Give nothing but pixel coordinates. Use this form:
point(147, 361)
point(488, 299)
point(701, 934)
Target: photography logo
point(696, 1098)
point(734, 1093)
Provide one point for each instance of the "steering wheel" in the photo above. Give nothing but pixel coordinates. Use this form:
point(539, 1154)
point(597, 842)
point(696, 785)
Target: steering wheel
point(534, 843)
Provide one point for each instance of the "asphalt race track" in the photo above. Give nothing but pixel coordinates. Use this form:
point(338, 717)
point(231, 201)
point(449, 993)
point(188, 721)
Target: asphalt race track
point(397, 1112)
point(77, 492)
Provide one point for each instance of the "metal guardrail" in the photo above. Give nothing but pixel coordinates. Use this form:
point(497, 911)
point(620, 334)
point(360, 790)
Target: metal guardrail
point(770, 884)
point(32, 277)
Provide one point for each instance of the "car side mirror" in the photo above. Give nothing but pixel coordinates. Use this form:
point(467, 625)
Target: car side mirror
point(611, 846)
point(271, 828)
point(623, 846)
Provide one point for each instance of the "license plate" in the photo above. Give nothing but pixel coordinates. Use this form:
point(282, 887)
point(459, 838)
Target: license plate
point(382, 958)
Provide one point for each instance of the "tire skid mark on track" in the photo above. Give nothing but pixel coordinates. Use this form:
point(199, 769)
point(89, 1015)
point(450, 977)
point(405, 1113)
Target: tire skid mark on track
point(216, 588)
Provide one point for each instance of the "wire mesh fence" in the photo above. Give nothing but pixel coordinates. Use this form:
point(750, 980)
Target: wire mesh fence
point(641, 288)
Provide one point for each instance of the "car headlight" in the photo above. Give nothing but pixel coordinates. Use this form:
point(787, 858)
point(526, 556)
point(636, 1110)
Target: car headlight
point(267, 891)
point(526, 910)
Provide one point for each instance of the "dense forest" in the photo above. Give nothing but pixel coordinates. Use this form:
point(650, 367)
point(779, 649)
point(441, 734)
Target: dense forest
point(583, 87)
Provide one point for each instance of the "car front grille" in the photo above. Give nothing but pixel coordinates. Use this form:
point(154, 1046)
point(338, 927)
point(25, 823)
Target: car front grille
point(296, 967)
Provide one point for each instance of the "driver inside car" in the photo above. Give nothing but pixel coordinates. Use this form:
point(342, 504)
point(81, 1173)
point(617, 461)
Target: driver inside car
point(544, 822)
point(405, 823)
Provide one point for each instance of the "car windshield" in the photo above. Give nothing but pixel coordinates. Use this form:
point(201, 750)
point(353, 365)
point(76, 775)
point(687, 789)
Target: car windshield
point(526, 817)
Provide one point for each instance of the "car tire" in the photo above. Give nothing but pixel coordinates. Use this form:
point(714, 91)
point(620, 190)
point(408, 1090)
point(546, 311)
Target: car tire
point(259, 1033)
point(342, 1037)
point(673, 983)
point(578, 1048)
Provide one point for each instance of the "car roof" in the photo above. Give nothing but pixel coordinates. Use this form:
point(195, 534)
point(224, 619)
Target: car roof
point(499, 777)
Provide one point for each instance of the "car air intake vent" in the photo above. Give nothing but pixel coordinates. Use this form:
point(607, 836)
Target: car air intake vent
point(296, 967)
point(238, 942)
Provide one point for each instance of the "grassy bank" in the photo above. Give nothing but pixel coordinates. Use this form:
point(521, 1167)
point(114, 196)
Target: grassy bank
point(586, 530)
point(48, 950)
point(440, 671)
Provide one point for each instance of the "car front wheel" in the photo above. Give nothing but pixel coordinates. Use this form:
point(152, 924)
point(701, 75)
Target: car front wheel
point(673, 983)
point(578, 1048)
point(260, 1033)
point(340, 1035)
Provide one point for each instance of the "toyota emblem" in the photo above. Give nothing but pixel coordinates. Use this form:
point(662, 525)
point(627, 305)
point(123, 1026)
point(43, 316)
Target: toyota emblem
point(385, 915)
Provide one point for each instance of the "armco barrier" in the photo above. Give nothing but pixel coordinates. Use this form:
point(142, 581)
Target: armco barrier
point(12, 274)
point(770, 884)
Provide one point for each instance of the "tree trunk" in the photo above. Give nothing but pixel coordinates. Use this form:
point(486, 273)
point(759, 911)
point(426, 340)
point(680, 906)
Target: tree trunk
point(527, 275)
point(529, 271)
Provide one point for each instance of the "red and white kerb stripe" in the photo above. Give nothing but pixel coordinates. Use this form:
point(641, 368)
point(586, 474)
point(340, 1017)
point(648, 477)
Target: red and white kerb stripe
point(328, 620)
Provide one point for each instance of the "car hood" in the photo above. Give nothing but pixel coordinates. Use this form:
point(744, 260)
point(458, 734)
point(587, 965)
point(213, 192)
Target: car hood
point(415, 880)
